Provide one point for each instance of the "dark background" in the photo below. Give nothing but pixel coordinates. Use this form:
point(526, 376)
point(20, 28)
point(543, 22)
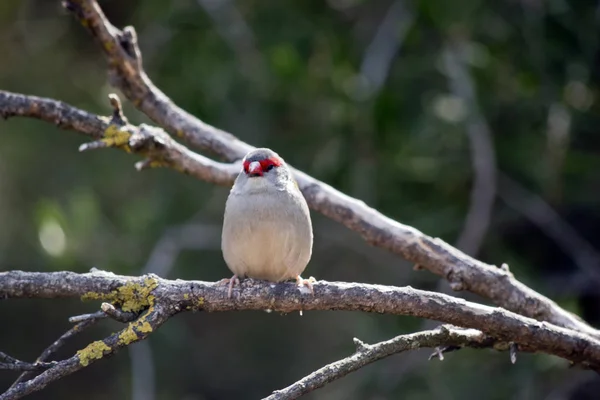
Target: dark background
point(386, 101)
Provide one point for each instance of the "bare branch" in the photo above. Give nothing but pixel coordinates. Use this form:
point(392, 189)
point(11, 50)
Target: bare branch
point(53, 348)
point(433, 254)
point(135, 293)
point(366, 354)
point(117, 314)
point(53, 111)
point(149, 321)
point(86, 317)
point(153, 143)
point(13, 364)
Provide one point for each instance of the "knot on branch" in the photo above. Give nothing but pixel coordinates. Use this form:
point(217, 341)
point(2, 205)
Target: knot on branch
point(128, 41)
point(361, 346)
point(507, 273)
point(455, 281)
point(147, 139)
point(118, 118)
point(117, 133)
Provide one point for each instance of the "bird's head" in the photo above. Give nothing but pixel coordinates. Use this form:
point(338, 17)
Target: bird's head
point(261, 162)
point(263, 169)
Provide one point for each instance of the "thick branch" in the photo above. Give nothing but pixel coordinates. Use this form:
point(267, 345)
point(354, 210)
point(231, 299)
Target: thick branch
point(366, 354)
point(132, 293)
point(433, 254)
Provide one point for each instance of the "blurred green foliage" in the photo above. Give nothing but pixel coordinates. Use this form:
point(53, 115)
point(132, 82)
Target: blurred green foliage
point(290, 76)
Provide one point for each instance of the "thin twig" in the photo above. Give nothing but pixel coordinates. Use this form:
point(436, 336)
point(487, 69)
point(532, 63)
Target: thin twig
point(152, 319)
point(54, 347)
point(13, 364)
point(85, 317)
point(116, 314)
point(367, 354)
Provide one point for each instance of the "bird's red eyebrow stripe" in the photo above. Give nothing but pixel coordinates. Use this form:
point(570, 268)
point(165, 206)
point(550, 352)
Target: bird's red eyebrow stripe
point(270, 161)
point(276, 161)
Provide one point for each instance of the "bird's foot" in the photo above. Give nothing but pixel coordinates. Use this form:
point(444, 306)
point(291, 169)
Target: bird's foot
point(231, 281)
point(300, 282)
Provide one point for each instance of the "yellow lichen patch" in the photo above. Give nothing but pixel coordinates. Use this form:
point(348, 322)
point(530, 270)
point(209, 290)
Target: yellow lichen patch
point(145, 327)
point(110, 297)
point(114, 136)
point(200, 302)
point(186, 296)
point(93, 351)
point(136, 297)
point(130, 334)
point(157, 163)
point(132, 297)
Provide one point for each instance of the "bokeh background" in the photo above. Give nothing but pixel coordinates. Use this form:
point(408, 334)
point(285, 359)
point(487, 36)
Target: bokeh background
point(412, 106)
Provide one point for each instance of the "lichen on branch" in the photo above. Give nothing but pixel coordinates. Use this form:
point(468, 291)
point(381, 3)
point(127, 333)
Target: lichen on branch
point(131, 297)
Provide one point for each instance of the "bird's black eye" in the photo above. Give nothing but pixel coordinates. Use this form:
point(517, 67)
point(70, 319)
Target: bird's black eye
point(269, 167)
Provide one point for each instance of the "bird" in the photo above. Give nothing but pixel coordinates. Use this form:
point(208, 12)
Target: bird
point(267, 230)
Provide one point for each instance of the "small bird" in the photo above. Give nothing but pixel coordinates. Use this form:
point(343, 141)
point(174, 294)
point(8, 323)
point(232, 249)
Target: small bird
point(267, 230)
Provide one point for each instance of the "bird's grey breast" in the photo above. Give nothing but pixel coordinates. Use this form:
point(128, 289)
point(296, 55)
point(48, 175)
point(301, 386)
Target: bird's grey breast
point(269, 234)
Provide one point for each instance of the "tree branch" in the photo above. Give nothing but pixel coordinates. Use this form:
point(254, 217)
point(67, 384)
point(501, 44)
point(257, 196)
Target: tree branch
point(82, 322)
point(366, 354)
point(463, 272)
point(154, 316)
point(13, 364)
point(153, 143)
point(58, 343)
point(136, 293)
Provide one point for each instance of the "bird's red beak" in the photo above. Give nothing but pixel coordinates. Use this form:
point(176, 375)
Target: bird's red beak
point(255, 168)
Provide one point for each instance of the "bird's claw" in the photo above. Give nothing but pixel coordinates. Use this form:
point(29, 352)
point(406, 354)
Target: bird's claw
point(232, 281)
point(300, 282)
